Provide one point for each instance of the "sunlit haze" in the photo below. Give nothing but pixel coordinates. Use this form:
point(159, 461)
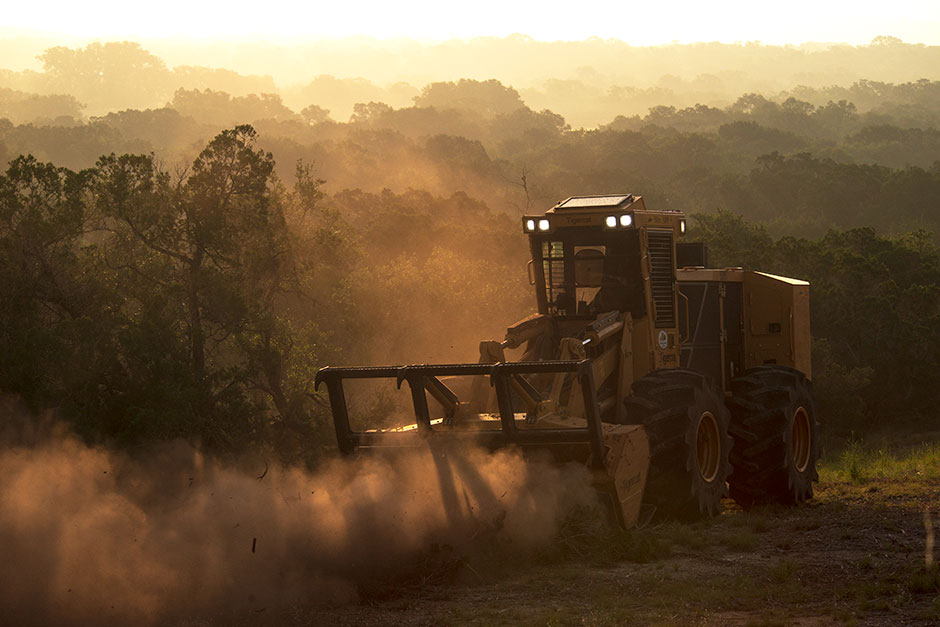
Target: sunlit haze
point(639, 23)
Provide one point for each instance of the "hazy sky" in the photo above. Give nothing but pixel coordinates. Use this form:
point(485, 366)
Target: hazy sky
point(641, 23)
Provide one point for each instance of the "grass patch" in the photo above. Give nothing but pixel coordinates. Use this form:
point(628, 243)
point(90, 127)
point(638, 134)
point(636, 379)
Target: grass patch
point(807, 525)
point(686, 536)
point(740, 540)
point(925, 581)
point(758, 522)
point(879, 595)
point(783, 570)
point(586, 535)
point(860, 463)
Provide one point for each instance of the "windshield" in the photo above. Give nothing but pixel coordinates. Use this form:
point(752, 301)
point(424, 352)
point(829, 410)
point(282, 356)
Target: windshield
point(588, 272)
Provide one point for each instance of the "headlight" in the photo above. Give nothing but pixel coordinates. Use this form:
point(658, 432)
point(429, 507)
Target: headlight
point(543, 224)
point(612, 222)
point(682, 226)
point(529, 225)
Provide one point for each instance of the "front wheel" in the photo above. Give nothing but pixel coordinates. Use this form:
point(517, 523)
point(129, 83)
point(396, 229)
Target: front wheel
point(687, 424)
point(776, 436)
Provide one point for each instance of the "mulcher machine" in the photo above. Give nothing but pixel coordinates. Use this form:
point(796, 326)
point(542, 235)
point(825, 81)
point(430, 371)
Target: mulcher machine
point(673, 382)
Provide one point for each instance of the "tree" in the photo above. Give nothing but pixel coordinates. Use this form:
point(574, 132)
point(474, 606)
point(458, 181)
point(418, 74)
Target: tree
point(107, 76)
point(21, 107)
point(42, 221)
point(212, 246)
point(732, 241)
point(488, 98)
point(220, 109)
point(369, 114)
point(314, 114)
point(875, 310)
point(837, 119)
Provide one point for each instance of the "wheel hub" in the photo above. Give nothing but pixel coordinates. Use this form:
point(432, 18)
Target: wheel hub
point(801, 440)
point(708, 447)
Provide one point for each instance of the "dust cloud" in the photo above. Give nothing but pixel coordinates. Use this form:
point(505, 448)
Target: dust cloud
point(91, 536)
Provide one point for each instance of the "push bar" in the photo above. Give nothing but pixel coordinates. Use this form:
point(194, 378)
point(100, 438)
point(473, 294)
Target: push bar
point(420, 376)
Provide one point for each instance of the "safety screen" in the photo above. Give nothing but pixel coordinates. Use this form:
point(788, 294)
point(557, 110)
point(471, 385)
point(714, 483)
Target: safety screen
point(662, 277)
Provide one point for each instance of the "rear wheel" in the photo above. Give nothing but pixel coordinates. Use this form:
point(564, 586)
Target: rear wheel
point(687, 424)
point(775, 431)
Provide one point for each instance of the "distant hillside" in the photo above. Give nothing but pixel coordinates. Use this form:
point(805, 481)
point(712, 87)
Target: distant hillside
point(588, 82)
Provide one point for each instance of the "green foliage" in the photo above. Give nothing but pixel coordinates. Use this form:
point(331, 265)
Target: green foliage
point(315, 114)
point(146, 305)
point(74, 147)
point(732, 241)
point(852, 461)
point(21, 108)
point(216, 292)
point(585, 533)
point(925, 581)
point(860, 462)
point(163, 130)
point(840, 389)
point(44, 299)
point(488, 98)
point(875, 312)
point(221, 109)
point(742, 541)
point(801, 163)
point(783, 570)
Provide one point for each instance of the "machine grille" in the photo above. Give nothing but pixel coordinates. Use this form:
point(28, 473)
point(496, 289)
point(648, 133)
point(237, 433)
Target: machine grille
point(661, 277)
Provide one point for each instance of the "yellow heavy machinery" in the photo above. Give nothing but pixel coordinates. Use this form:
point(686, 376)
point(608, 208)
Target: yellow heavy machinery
point(674, 382)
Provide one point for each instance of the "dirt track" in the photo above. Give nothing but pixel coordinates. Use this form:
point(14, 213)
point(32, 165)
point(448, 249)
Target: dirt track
point(854, 555)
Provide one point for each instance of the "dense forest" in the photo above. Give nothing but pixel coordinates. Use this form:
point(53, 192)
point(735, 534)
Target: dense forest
point(180, 264)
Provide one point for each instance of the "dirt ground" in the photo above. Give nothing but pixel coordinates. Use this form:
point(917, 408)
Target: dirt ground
point(854, 555)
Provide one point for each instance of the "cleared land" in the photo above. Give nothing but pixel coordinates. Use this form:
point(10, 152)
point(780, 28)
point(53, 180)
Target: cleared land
point(855, 555)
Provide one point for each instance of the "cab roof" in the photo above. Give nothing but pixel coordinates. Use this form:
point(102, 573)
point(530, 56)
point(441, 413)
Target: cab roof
point(608, 202)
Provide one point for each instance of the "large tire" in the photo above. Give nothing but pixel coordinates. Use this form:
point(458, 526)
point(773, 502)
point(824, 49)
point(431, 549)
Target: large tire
point(775, 430)
point(687, 424)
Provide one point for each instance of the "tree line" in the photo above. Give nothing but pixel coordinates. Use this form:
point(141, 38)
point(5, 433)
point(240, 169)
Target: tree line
point(793, 164)
point(144, 303)
point(589, 82)
point(190, 282)
point(875, 314)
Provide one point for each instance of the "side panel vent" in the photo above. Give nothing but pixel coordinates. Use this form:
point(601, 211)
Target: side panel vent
point(661, 277)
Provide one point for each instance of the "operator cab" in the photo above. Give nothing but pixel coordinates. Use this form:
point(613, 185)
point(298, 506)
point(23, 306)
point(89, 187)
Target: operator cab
point(588, 251)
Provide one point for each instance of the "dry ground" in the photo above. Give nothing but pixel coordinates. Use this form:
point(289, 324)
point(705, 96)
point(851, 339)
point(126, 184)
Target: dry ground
point(855, 555)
